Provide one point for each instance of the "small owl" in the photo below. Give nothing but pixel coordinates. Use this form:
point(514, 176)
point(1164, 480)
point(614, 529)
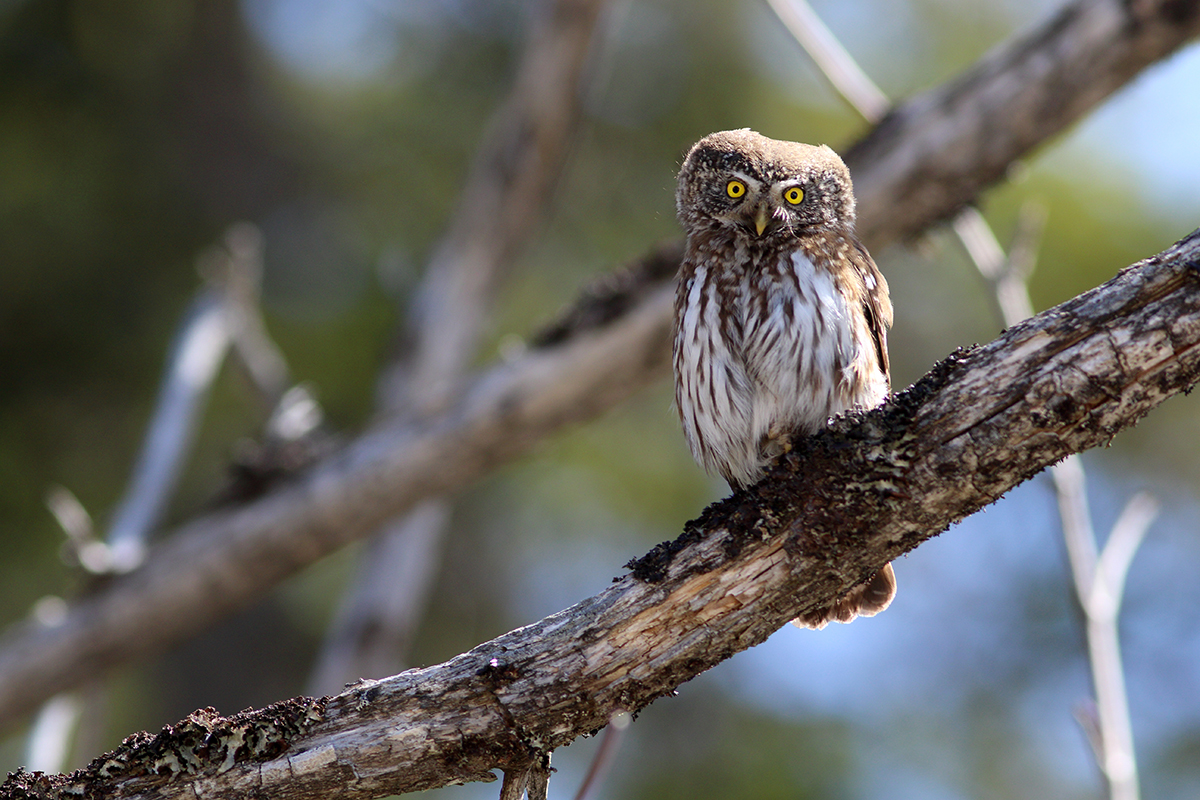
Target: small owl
point(781, 315)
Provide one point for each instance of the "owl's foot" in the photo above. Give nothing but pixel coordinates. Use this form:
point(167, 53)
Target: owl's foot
point(864, 600)
point(775, 444)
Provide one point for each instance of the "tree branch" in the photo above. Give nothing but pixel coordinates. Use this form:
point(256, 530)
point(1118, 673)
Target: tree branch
point(510, 183)
point(612, 344)
point(934, 154)
point(217, 563)
point(838, 506)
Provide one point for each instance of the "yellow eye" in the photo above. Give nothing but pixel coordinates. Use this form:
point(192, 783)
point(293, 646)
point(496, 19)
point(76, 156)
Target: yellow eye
point(735, 189)
point(794, 195)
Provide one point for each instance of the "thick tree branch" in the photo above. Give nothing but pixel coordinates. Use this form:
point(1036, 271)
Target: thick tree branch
point(610, 346)
point(838, 507)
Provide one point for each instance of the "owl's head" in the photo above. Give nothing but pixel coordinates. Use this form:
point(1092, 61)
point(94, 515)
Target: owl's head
point(762, 189)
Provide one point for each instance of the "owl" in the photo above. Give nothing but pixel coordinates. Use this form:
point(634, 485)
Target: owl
point(781, 315)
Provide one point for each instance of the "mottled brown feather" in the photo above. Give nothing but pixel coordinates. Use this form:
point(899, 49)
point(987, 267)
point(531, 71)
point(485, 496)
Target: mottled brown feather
point(781, 314)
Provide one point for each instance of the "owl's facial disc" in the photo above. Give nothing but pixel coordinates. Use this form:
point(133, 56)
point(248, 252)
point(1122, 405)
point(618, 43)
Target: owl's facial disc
point(746, 205)
point(759, 207)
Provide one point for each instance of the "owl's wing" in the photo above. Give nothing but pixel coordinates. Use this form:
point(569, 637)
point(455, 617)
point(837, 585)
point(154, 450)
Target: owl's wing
point(877, 305)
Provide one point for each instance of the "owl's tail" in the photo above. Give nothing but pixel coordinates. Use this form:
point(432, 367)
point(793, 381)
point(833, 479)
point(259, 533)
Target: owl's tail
point(864, 600)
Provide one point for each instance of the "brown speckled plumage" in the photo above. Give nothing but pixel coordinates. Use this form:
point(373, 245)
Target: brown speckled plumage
point(781, 315)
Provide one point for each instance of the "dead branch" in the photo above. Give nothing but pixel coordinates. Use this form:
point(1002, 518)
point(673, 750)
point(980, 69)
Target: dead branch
point(511, 182)
point(839, 506)
point(934, 154)
point(606, 350)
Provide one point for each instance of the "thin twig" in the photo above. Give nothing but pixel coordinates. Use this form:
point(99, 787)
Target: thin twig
point(237, 271)
point(194, 362)
point(833, 60)
point(614, 734)
point(1099, 581)
point(1008, 290)
point(1123, 541)
point(85, 547)
point(48, 743)
point(1078, 532)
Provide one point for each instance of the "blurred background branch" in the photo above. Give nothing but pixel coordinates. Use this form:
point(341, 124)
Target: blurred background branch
point(1099, 594)
point(512, 178)
point(495, 417)
point(134, 134)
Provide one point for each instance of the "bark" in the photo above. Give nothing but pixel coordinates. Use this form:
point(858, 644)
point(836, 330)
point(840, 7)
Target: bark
point(613, 343)
point(836, 508)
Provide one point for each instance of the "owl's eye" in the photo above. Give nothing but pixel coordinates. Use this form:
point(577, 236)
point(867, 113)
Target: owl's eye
point(794, 195)
point(735, 189)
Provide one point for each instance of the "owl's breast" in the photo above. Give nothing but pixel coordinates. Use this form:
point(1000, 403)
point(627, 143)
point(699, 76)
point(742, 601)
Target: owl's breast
point(807, 347)
point(764, 346)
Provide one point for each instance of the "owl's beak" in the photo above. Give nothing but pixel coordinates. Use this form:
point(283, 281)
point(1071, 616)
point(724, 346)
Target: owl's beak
point(762, 218)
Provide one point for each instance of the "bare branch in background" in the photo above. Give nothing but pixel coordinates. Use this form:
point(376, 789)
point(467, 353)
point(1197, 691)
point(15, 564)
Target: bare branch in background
point(614, 343)
point(872, 487)
point(1123, 541)
point(913, 166)
point(1099, 590)
point(610, 744)
point(48, 742)
point(1099, 582)
point(504, 198)
point(222, 315)
point(834, 61)
point(237, 272)
point(83, 546)
point(194, 362)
